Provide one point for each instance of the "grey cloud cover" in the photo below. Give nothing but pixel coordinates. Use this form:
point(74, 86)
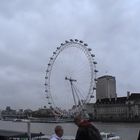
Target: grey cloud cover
point(31, 30)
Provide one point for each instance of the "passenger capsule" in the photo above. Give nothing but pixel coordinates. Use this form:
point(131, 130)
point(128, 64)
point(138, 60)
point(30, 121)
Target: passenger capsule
point(95, 70)
point(91, 96)
point(95, 62)
point(71, 40)
point(93, 55)
point(89, 49)
point(66, 78)
point(67, 41)
point(95, 79)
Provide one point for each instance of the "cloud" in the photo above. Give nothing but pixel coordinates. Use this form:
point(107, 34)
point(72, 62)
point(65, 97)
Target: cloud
point(31, 31)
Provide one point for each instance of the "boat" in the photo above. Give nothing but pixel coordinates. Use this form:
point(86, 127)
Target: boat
point(16, 135)
point(17, 120)
point(51, 120)
point(46, 137)
point(105, 136)
point(109, 136)
point(7, 134)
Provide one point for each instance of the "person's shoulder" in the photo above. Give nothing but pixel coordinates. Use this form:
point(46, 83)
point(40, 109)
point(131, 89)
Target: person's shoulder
point(53, 137)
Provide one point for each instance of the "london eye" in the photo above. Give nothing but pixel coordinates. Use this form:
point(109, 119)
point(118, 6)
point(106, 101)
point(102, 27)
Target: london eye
point(71, 73)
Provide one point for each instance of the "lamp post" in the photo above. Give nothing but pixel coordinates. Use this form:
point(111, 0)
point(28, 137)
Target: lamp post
point(28, 128)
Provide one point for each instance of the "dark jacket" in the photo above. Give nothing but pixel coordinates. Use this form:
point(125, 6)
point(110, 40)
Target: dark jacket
point(138, 136)
point(87, 131)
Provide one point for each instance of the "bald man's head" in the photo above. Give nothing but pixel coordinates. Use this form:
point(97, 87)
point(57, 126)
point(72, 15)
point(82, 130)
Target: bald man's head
point(59, 131)
point(77, 119)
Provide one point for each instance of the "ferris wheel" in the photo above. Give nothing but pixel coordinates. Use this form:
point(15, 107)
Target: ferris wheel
point(73, 46)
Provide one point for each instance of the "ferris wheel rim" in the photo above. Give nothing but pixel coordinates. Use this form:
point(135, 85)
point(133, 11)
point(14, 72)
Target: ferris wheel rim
point(92, 64)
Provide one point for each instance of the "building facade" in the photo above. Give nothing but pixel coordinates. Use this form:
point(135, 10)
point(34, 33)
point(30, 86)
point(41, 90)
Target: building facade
point(116, 109)
point(109, 107)
point(106, 87)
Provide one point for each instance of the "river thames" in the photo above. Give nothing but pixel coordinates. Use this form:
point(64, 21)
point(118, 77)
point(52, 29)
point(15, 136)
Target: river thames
point(127, 131)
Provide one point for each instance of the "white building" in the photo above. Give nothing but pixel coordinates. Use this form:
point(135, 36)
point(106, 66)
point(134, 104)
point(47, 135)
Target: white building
point(106, 87)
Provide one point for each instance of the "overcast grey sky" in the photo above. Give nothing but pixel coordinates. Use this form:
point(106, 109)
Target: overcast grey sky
point(31, 30)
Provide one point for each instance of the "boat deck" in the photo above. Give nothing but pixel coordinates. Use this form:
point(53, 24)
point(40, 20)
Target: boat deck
point(8, 134)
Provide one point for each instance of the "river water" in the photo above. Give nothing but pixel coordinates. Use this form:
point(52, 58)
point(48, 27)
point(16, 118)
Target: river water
point(127, 131)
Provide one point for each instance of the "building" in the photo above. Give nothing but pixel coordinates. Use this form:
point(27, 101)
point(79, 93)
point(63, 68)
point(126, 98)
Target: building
point(116, 109)
point(106, 87)
point(109, 107)
point(120, 109)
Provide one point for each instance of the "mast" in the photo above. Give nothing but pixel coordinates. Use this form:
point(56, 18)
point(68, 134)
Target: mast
point(71, 83)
